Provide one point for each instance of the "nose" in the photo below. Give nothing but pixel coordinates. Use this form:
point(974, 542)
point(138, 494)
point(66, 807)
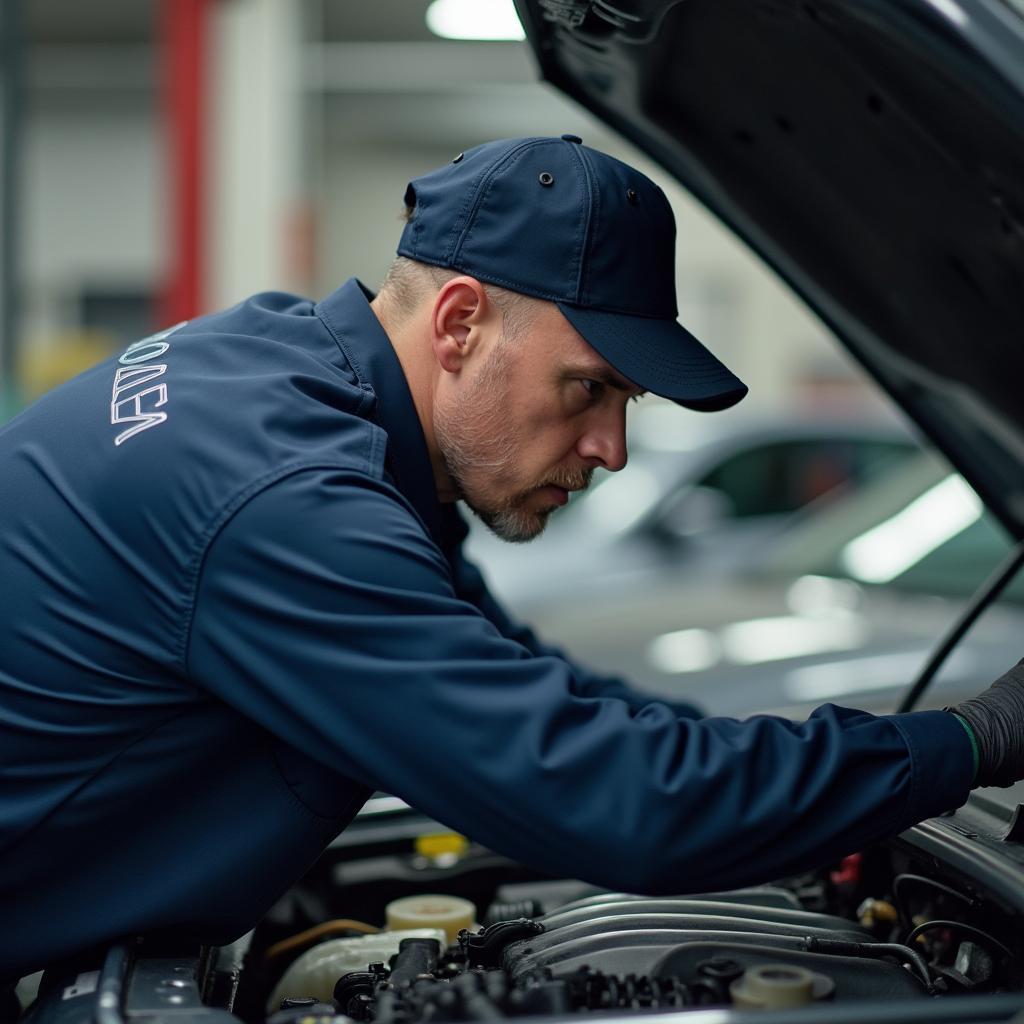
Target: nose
point(604, 443)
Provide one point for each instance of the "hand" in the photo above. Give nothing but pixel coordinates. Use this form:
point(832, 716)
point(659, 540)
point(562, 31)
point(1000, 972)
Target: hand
point(996, 718)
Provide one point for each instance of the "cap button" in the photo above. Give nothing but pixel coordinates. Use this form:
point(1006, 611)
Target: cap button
point(573, 138)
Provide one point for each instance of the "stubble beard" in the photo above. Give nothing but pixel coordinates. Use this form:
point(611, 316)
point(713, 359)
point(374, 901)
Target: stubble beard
point(478, 442)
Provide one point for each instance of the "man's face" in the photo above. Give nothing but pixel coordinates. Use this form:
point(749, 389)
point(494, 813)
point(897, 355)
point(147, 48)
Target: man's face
point(529, 420)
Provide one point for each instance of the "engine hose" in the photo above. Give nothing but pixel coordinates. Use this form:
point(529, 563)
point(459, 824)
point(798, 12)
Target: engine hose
point(415, 957)
point(873, 950)
point(966, 929)
point(296, 943)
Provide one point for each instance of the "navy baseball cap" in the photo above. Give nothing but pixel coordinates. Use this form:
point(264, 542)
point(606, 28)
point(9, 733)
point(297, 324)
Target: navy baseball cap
point(552, 218)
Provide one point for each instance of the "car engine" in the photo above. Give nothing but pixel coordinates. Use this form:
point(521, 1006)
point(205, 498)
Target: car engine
point(754, 948)
point(401, 923)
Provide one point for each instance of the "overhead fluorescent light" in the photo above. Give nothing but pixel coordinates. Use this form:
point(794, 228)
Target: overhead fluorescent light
point(474, 19)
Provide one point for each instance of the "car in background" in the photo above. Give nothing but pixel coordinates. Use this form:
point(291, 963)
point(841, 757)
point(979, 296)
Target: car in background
point(844, 606)
point(699, 496)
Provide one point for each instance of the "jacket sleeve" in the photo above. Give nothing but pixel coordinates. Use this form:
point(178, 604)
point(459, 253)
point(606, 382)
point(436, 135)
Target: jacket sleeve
point(470, 585)
point(326, 614)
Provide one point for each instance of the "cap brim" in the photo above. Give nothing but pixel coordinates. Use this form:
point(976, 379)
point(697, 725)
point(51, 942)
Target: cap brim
point(660, 356)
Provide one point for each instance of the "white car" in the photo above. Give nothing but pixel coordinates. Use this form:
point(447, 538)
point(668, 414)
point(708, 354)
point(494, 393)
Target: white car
point(696, 499)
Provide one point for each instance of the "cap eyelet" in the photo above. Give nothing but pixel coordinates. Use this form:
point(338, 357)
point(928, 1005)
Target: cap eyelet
point(546, 179)
point(632, 196)
point(458, 158)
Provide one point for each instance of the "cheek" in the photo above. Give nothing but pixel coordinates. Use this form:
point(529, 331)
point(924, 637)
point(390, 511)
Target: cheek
point(541, 434)
point(553, 445)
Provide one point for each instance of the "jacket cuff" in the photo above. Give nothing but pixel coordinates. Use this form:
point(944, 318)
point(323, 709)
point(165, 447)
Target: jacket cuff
point(942, 762)
point(974, 742)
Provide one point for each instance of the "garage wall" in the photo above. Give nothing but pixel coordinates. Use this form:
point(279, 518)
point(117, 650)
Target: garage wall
point(92, 214)
point(362, 118)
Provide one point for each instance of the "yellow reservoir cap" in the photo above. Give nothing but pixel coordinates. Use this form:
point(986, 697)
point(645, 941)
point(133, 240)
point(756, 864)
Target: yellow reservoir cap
point(449, 913)
point(440, 844)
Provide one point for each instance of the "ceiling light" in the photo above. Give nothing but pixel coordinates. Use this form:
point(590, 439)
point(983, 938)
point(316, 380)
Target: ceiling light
point(474, 19)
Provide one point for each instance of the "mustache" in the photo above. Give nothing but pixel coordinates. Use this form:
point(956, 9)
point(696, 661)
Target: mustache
point(572, 479)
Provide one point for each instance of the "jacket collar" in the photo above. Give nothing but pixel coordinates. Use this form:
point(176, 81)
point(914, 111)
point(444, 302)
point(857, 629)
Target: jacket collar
point(347, 315)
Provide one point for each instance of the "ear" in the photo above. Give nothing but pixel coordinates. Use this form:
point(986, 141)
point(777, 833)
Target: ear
point(459, 319)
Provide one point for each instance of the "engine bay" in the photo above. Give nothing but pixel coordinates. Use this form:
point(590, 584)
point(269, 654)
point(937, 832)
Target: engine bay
point(399, 924)
point(755, 948)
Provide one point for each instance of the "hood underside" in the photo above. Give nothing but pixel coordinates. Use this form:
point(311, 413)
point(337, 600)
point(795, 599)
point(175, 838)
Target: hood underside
point(871, 151)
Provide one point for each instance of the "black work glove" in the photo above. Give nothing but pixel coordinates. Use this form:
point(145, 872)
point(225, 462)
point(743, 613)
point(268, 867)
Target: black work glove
point(996, 718)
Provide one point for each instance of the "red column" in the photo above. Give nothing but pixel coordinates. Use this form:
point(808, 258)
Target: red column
point(182, 34)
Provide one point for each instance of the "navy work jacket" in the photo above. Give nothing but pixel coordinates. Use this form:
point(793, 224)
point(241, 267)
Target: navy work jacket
point(232, 606)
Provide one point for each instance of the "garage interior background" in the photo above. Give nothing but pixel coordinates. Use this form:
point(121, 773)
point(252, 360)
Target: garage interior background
point(163, 158)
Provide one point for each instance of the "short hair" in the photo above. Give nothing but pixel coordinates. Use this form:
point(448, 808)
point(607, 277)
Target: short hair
point(408, 282)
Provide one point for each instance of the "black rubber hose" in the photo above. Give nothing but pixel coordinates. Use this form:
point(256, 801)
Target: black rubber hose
point(967, 929)
point(484, 949)
point(873, 951)
point(415, 957)
point(986, 595)
point(900, 882)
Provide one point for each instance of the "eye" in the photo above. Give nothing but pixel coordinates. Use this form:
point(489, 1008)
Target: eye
point(594, 388)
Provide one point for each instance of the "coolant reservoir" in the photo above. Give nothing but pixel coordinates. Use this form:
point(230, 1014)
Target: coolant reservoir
point(449, 913)
point(318, 969)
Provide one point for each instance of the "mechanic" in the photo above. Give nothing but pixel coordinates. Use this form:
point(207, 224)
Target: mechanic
point(234, 602)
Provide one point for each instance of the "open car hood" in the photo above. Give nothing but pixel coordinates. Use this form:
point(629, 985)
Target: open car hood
point(871, 151)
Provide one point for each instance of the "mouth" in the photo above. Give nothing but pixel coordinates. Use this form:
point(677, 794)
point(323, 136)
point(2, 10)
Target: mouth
point(556, 495)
